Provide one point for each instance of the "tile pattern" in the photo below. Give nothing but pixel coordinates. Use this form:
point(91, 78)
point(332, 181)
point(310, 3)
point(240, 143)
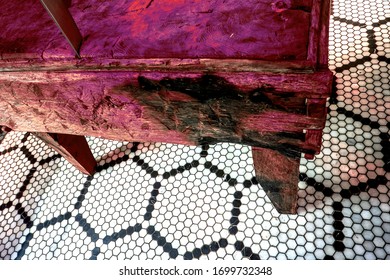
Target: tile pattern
point(164, 201)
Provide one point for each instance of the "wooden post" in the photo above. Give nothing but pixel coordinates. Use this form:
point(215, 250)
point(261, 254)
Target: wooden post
point(315, 108)
point(278, 175)
point(58, 10)
point(73, 148)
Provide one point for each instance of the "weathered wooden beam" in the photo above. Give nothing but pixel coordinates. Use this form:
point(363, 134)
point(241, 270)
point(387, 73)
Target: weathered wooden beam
point(187, 72)
point(58, 10)
point(73, 148)
point(281, 80)
point(278, 174)
point(158, 64)
point(185, 108)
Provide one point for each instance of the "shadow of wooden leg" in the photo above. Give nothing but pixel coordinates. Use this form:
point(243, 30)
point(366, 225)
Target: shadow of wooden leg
point(73, 148)
point(278, 175)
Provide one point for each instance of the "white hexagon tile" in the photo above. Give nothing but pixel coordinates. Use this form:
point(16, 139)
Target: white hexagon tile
point(164, 201)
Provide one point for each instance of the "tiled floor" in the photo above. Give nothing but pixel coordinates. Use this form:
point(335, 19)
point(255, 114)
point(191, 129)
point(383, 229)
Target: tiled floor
point(160, 201)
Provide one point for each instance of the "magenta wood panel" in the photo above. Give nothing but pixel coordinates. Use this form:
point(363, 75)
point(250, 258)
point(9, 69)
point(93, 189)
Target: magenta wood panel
point(255, 29)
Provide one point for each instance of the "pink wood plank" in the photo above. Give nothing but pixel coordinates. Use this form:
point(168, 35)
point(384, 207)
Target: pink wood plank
point(265, 29)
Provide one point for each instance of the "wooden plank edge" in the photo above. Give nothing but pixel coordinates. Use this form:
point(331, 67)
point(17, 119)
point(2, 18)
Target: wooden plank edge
point(318, 33)
point(154, 64)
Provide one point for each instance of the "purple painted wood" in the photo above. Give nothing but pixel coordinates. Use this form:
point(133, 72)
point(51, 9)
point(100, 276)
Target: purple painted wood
point(257, 29)
point(179, 71)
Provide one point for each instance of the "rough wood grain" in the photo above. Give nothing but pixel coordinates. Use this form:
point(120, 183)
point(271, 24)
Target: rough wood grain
point(178, 71)
point(315, 108)
point(324, 34)
point(169, 107)
point(157, 64)
point(259, 29)
point(319, 29)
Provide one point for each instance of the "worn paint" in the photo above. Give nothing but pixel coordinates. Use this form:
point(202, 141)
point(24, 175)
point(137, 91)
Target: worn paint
point(187, 72)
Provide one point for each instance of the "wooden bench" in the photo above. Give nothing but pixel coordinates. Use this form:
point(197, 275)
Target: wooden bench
point(188, 72)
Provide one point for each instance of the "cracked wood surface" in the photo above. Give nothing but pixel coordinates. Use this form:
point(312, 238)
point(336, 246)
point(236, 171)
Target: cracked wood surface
point(168, 107)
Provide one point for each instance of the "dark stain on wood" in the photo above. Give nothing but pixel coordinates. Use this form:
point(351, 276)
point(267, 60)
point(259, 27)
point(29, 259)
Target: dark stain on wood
point(209, 109)
point(204, 89)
